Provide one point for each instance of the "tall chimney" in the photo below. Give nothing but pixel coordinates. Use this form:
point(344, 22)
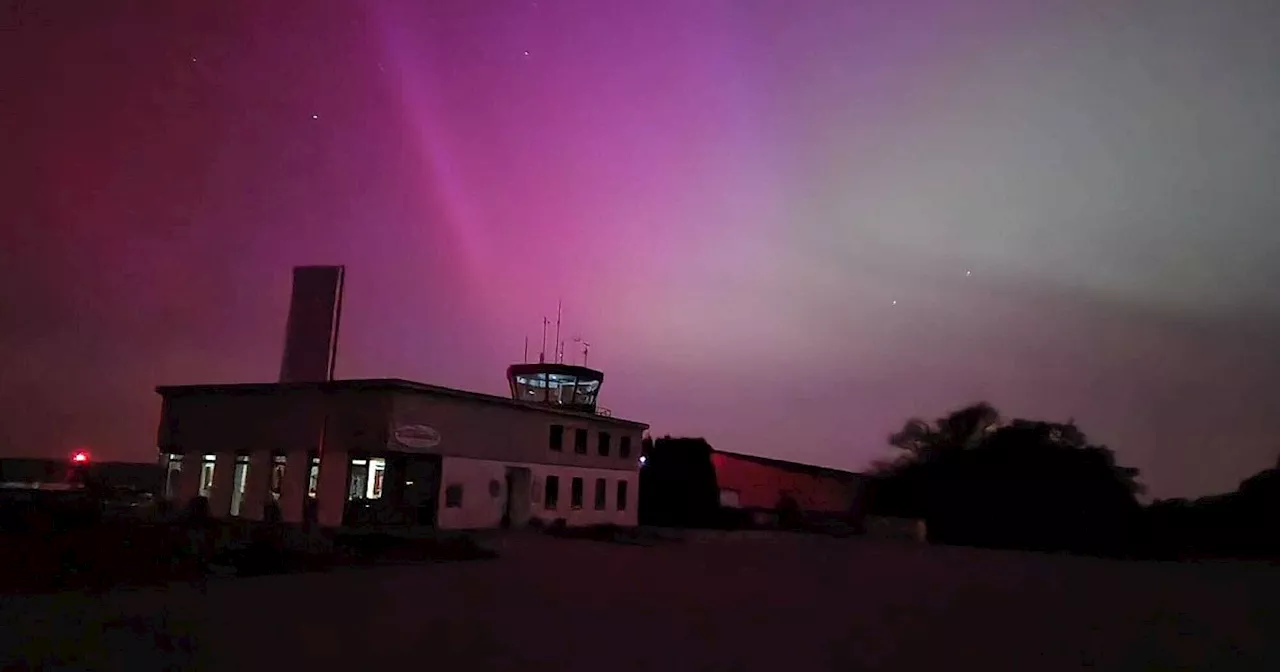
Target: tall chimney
point(311, 334)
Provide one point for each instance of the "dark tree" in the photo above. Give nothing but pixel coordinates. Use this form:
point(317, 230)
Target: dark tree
point(1026, 484)
point(1243, 524)
point(965, 428)
point(678, 483)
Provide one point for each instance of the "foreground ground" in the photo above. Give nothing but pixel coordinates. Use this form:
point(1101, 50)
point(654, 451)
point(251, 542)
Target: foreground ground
point(799, 604)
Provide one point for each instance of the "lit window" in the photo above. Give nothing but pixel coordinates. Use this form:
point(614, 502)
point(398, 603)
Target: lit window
point(580, 441)
point(600, 494)
point(172, 473)
point(313, 477)
point(624, 447)
point(575, 493)
point(358, 481)
point(239, 477)
point(453, 496)
point(602, 443)
point(556, 439)
point(278, 463)
point(622, 495)
point(551, 494)
point(377, 467)
point(206, 475)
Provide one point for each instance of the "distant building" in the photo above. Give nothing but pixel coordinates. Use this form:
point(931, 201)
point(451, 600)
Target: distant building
point(371, 452)
point(753, 482)
point(688, 483)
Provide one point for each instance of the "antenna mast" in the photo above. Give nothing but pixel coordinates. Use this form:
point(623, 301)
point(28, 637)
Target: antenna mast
point(560, 343)
point(542, 356)
point(526, 350)
point(586, 348)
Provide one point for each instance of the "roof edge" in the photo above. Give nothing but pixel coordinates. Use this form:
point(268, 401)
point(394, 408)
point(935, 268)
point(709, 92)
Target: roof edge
point(791, 466)
point(387, 384)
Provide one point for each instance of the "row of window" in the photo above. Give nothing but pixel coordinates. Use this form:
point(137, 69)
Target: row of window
point(551, 494)
point(604, 442)
point(240, 477)
point(366, 482)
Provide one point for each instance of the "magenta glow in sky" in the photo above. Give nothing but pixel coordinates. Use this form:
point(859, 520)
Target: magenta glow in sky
point(784, 226)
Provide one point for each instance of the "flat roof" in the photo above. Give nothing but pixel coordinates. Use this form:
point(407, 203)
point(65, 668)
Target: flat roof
point(383, 385)
point(798, 467)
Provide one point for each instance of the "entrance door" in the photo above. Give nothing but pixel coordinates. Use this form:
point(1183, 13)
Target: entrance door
point(516, 510)
point(421, 488)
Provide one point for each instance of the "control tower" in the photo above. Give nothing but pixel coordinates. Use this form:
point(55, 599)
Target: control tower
point(570, 387)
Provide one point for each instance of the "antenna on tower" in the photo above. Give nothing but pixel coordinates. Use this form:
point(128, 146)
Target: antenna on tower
point(586, 348)
point(542, 356)
point(526, 350)
point(560, 354)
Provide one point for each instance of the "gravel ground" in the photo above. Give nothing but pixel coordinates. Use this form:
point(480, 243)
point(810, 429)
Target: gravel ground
point(793, 604)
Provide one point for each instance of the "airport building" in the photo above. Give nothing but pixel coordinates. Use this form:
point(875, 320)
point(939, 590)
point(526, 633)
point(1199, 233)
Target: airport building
point(395, 452)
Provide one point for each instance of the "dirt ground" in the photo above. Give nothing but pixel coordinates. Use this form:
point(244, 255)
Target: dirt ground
point(798, 604)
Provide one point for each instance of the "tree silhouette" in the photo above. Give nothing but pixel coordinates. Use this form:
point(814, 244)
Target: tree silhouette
point(678, 483)
point(962, 429)
point(1244, 523)
point(1025, 484)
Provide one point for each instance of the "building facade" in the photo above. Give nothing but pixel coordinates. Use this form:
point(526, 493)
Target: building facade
point(394, 452)
point(753, 482)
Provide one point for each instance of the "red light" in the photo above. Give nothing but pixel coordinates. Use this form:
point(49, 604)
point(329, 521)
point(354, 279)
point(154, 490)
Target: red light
point(80, 457)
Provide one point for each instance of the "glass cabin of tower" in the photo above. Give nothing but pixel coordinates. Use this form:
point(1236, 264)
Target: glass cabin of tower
point(572, 387)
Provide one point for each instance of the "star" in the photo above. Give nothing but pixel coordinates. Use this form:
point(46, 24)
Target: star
point(895, 302)
point(315, 116)
point(526, 54)
point(193, 59)
point(968, 273)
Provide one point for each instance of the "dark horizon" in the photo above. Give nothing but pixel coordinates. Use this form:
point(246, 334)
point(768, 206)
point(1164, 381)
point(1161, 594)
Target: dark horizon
point(785, 229)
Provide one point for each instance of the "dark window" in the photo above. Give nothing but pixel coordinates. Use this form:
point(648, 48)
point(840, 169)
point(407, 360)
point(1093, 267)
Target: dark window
point(624, 447)
point(556, 441)
point(551, 494)
point(622, 495)
point(602, 444)
point(575, 493)
point(453, 496)
point(580, 441)
point(600, 494)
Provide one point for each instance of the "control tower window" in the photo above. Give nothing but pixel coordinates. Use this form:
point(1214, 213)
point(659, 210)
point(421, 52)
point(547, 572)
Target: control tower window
point(555, 384)
point(602, 443)
point(556, 440)
point(580, 441)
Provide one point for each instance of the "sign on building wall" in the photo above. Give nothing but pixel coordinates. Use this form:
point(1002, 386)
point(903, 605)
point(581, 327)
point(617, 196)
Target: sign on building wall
point(416, 437)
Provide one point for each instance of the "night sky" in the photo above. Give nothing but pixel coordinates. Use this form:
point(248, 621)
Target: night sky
point(785, 226)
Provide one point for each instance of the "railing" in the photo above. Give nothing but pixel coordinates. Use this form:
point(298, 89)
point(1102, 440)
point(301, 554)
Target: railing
point(600, 410)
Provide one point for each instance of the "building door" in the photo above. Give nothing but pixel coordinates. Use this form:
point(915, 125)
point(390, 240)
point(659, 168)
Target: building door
point(421, 491)
point(518, 497)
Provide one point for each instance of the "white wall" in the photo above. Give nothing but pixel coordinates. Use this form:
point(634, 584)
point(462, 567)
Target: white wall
point(482, 510)
point(504, 432)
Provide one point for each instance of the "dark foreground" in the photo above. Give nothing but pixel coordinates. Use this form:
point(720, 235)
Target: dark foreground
point(556, 604)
